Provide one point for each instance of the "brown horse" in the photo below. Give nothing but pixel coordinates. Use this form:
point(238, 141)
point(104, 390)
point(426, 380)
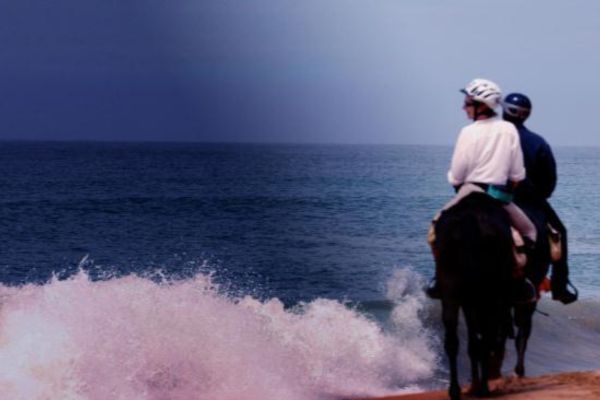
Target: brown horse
point(474, 266)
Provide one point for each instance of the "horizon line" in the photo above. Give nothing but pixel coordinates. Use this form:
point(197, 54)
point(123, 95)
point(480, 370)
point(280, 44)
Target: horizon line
point(266, 143)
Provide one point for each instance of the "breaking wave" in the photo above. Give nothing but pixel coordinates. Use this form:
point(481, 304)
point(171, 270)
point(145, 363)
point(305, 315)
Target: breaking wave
point(132, 338)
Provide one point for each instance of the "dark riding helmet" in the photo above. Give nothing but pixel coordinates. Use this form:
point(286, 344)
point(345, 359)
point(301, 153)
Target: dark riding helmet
point(516, 107)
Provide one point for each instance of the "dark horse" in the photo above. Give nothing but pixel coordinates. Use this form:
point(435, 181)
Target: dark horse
point(474, 267)
point(538, 264)
point(537, 267)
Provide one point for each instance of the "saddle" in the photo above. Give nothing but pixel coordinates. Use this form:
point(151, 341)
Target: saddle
point(519, 248)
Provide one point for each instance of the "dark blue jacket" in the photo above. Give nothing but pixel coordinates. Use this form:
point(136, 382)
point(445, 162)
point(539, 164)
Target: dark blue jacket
point(540, 167)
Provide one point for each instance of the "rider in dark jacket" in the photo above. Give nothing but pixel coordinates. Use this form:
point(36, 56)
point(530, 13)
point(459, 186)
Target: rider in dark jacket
point(533, 193)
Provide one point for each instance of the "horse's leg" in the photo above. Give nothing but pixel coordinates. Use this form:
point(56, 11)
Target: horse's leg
point(478, 349)
point(499, 345)
point(496, 359)
point(491, 331)
point(450, 320)
point(486, 346)
point(523, 321)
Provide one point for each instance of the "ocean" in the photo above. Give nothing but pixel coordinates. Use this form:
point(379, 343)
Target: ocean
point(229, 271)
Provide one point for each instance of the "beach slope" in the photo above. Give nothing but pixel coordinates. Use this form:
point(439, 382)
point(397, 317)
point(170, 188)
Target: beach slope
point(572, 386)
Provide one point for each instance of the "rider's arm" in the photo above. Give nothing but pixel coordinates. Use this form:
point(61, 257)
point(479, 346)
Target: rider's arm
point(516, 172)
point(547, 172)
point(458, 166)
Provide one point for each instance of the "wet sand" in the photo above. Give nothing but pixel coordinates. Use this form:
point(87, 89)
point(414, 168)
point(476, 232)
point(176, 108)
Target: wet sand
point(571, 386)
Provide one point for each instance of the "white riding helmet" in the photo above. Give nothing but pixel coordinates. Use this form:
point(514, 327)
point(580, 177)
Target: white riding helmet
point(484, 91)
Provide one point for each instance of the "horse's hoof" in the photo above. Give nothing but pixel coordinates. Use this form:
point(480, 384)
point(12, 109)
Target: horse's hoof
point(454, 392)
point(520, 371)
point(477, 391)
point(495, 369)
point(496, 374)
point(484, 392)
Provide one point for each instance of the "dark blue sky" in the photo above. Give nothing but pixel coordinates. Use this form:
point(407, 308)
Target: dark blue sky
point(289, 70)
point(78, 69)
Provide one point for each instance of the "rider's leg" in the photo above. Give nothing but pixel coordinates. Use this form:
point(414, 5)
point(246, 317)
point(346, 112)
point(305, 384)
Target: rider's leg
point(522, 223)
point(560, 268)
point(465, 190)
point(522, 289)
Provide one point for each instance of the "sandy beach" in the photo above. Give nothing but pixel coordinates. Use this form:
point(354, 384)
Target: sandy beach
point(572, 386)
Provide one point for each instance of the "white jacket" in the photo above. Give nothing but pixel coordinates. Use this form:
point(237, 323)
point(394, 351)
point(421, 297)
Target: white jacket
point(487, 151)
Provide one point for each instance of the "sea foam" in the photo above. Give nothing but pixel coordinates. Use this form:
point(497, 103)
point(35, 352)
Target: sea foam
point(132, 338)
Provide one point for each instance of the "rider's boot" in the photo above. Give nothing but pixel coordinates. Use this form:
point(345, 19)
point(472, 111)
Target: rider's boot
point(433, 290)
point(561, 292)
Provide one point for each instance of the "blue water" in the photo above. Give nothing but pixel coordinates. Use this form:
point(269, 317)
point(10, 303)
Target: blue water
point(297, 223)
point(292, 221)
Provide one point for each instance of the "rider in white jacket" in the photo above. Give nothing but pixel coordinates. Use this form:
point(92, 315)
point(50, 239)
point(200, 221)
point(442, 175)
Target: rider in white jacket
point(488, 158)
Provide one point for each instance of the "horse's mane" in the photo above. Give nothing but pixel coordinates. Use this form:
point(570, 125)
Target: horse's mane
point(474, 246)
